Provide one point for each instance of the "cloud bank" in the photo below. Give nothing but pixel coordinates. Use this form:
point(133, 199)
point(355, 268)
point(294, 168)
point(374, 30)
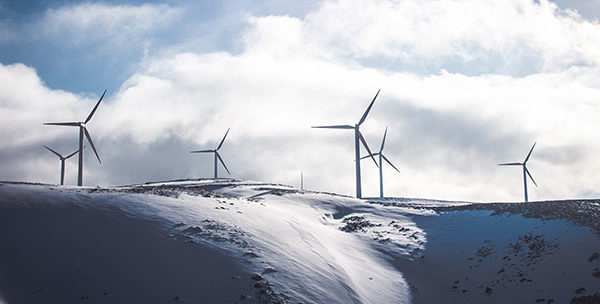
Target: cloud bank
point(462, 90)
point(103, 22)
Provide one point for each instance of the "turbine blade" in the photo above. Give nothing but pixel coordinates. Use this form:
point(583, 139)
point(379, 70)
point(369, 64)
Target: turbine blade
point(222, 162)
point(71, 124)
point(530, 176)
point(374, 154)
point(528, 155)
point(95, 107)
point(510, 164)
point(383, 142)
point(222, 140)
point(71, 155)
point(389, 162)
point(202, 151)
point(53, 152)
point(364, 142)
point(362, 119)
point(89, 138)
point(334, 127)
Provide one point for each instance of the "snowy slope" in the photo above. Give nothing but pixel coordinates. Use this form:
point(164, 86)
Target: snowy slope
point(315, 247)
point(293, 238)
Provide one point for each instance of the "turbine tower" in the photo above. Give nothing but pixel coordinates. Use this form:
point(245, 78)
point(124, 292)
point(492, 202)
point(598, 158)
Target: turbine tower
point(216, 153)
point(62, 163)
point(357, 138)
point(525, 171)
point(381, 159)
point(82, 131)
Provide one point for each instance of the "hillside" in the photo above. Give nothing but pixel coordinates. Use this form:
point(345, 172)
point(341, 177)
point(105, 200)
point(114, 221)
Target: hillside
point(228, 241)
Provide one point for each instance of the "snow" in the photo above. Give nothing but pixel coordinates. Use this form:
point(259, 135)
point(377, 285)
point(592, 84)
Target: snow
point(296, 236)
point(316, 247)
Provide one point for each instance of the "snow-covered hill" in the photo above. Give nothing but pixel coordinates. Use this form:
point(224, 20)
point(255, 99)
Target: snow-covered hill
point(226, 241)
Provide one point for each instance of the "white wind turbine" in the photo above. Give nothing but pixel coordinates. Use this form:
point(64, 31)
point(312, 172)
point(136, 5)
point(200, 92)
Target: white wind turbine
point(216, 154)
point(62, 163)
point(357, 138)
point(381, 159)
point(82, 131)
point(525, 171)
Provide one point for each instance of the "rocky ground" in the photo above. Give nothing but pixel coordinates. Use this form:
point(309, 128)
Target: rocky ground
point(579, 212)
point(542, 252)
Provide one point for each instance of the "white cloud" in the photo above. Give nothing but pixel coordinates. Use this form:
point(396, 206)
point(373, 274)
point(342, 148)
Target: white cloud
point(589, 9)
point(513, 36)
point(447, 129)
point(82, 23)
point(25, 103)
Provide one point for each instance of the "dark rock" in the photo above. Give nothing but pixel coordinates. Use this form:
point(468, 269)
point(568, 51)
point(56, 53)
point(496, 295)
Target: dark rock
point(488, 290)
point(193, 230)
point(592, 299)
point(257, 277)
point(593, 257)
point(580, 290)
point(356, 223)
point(268, 270)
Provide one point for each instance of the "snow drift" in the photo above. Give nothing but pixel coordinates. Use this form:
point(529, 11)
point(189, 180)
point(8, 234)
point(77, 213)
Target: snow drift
point(225, 241)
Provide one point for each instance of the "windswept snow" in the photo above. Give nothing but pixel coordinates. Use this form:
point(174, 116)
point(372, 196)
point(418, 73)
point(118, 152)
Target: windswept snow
point(303, 243)
point(315, 247)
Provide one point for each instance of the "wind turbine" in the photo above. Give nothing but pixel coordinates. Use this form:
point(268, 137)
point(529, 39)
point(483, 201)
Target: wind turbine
point(525, 171)
point(381, 159)
point(216, 152)
point(62, 163)
point(357, 137)
point(82, 131)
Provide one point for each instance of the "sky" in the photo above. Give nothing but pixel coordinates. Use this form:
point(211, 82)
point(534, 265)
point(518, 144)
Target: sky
point(465, 85)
